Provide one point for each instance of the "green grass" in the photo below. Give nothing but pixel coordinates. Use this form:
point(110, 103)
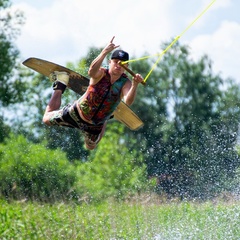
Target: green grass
point(113, 220)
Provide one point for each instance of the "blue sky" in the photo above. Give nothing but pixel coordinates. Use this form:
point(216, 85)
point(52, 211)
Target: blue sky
point(62, 30)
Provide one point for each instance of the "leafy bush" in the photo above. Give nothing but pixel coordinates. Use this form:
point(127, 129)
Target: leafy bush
point(113, 171)
point(30, 171)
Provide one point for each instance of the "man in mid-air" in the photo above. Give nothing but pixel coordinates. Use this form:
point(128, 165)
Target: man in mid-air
point(107, 87)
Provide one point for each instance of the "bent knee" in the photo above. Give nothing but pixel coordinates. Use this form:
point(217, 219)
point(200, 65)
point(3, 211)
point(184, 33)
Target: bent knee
point(46, 120)
point(90, 147)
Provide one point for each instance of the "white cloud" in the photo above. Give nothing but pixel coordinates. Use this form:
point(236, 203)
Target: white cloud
point(70, 29)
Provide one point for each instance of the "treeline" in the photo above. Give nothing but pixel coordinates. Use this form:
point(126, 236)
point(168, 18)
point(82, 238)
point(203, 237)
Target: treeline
point(188, 144)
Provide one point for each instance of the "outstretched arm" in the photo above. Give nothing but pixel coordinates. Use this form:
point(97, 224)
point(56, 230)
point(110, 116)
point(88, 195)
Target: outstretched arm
point(95, 71)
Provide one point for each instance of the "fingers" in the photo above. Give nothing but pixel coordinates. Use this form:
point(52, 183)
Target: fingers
point(117, 46)
point(138, 78)
point(112, 39)
point(112, 44)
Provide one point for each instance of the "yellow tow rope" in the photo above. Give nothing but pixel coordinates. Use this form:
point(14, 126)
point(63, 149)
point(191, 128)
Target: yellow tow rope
point(170, 45)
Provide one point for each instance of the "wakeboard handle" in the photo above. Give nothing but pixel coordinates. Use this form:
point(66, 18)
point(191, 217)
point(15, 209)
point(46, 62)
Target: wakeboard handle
point(129, 70)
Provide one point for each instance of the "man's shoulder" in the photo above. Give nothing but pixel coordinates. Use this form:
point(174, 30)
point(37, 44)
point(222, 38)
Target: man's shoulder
point(100, 75)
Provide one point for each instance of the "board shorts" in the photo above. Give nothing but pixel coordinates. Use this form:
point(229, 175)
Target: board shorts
point(69, 116)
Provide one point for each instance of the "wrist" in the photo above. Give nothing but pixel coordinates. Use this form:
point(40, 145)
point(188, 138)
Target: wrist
point(104, 53)
point(134, 84)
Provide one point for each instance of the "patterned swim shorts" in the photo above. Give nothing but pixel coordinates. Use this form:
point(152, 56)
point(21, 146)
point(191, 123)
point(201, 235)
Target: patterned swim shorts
point(68, 116)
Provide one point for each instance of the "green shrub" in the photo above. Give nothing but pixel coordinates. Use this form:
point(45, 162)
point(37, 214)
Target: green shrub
point(30, 171)
point(113, 171)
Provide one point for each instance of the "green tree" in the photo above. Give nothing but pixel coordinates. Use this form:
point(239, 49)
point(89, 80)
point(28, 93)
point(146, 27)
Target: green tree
point(4, 129)
point(11, 86)
point(112, 171)
point(191, 125)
